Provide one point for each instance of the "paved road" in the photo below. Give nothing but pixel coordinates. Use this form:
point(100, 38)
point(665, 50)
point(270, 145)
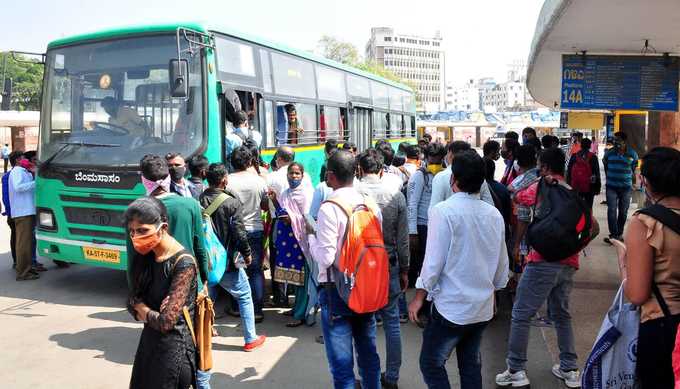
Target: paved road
point(70, 329)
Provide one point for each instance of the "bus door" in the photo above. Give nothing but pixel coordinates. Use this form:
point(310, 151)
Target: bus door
point(361, 128)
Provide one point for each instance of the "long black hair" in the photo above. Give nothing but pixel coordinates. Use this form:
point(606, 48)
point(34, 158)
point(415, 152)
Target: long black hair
point(145, 210)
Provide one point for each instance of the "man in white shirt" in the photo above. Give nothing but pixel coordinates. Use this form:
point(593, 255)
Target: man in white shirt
point(342, 328)
point(460, 276)
point(441, 189)
point(22, 198)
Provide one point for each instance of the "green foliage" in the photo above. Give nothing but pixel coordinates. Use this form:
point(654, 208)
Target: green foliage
point(337, 50)
point(27, 78)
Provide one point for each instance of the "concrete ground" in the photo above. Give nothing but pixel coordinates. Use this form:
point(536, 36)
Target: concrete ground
point(70, 330)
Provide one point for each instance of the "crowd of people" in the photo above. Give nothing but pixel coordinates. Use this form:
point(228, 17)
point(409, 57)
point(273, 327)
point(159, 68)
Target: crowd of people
point(445, 226)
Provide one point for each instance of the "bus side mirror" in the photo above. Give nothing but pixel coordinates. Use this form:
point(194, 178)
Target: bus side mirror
point(179, 77)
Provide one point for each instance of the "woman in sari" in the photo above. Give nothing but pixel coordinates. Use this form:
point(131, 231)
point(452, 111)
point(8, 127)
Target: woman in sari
point(294, 264)
point(164, 283)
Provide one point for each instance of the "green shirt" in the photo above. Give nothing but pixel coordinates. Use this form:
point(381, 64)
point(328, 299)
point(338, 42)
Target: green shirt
point(186, 226)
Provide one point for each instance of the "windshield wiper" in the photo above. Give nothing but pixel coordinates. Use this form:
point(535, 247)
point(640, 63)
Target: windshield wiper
point(65, 145)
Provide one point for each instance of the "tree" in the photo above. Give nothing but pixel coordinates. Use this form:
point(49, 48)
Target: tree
point(337, 50)
point(27, 81)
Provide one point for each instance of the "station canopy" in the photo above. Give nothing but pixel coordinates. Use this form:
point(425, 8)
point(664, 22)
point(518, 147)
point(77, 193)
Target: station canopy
point(609, 27)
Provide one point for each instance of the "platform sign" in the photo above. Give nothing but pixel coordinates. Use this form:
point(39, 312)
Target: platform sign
point(619, 82)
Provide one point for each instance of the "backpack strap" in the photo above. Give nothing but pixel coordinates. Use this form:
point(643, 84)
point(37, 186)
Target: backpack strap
point(664, 215)
point(221, 198)
point(190, 324)
point(671, 220)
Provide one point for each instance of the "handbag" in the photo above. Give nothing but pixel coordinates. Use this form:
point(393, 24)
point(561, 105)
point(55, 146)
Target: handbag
point(613, 360)
point(202, 333)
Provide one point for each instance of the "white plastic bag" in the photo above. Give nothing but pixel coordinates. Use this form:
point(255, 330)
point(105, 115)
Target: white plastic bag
point(613, 359)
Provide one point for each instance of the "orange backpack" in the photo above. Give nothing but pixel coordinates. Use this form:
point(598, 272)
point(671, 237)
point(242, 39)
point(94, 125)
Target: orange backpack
point(361, 267)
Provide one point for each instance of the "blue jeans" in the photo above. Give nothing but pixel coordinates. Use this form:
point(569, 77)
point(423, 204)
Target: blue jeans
point(203, 379)
point(343, 331)
point(391, 326)
point(618, 201)
point(403, 309)
point(542, 281)
point(439, 339)
point(254, 270)
point(236, 283)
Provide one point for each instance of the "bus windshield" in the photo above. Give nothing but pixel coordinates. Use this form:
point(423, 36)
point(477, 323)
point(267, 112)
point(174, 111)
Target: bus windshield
point(116, 93)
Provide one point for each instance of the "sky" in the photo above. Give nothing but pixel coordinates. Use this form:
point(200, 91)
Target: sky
point(481, 37)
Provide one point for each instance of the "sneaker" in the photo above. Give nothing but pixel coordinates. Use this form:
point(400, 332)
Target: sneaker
point(608, 239)
point(257, 343)
point(572, 379)
point(516, 380)
point(403, 318)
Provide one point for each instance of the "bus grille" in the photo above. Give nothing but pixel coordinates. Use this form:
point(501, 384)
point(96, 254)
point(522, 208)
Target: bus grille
point(94, 216)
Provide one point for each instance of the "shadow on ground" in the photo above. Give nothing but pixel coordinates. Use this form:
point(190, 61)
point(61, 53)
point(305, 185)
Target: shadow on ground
point(116, 344)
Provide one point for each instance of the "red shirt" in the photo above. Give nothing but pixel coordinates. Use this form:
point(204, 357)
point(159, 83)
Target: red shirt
point(527, 197)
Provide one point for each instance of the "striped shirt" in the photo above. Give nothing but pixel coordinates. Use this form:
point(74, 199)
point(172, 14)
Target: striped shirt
point(619, 167)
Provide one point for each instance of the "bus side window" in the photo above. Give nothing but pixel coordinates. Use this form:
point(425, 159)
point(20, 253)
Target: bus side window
point(296, 123)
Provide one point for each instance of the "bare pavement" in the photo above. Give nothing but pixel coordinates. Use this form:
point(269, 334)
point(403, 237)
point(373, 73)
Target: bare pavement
point(70, 329)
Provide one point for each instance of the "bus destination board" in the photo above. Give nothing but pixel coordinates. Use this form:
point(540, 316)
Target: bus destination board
point(619, 82)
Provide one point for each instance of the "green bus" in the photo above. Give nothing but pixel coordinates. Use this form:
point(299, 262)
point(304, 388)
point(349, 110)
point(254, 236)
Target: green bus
point(175, 89)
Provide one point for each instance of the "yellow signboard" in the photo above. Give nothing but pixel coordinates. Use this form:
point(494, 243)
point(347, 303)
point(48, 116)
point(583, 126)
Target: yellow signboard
point(585, 120)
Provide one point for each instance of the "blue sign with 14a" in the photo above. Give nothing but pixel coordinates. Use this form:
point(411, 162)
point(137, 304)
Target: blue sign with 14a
point(619, 82)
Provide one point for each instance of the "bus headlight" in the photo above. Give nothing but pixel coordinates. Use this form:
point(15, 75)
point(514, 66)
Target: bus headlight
point(46, 220)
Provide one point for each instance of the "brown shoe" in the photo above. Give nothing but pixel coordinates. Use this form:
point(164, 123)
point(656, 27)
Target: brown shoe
point(28, 277)
point(39, 268)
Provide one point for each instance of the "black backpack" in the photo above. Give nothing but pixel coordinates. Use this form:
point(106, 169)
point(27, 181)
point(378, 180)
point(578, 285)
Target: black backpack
point(562, 222)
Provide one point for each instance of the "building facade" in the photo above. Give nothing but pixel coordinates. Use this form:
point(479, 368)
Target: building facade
point(418, 60)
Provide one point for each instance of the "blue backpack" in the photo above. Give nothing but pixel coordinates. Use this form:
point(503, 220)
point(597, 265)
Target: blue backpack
point(217, 254)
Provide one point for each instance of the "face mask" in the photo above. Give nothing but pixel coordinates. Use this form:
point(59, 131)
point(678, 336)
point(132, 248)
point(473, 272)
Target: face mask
point(177, 173)
point(151, 186)
point(435, 168)
point(143, 244)
point(294, 183)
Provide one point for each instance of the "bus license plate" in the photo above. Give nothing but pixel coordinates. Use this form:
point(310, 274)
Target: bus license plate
point(102, 255)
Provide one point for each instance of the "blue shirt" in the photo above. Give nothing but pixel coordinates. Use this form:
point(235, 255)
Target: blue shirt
point(21, 192)
point(619, 167)
point(5, 194)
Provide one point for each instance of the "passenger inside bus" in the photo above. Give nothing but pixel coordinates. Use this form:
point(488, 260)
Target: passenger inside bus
point(294, 127)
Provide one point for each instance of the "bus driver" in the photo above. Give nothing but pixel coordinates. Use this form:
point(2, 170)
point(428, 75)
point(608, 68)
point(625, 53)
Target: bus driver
point(125, 117)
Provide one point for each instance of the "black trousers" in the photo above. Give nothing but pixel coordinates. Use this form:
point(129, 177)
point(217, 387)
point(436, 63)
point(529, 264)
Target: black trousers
point(417, 256)
point(656, 340)
point(588, 198)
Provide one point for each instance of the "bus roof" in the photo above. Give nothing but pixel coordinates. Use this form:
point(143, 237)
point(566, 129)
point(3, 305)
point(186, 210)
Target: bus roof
point(172, 27)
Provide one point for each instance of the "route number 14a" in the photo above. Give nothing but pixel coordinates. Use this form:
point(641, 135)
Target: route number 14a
point(572, 96)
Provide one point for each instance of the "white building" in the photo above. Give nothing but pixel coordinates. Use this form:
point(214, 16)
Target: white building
point(504, 96)
point(463, 97)
point(416, 59)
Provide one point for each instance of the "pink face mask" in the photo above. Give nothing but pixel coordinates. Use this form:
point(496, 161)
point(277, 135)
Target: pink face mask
point(151, 186)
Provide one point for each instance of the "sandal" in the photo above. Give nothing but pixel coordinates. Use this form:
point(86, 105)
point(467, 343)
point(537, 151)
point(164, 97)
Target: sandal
point(296, 323)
